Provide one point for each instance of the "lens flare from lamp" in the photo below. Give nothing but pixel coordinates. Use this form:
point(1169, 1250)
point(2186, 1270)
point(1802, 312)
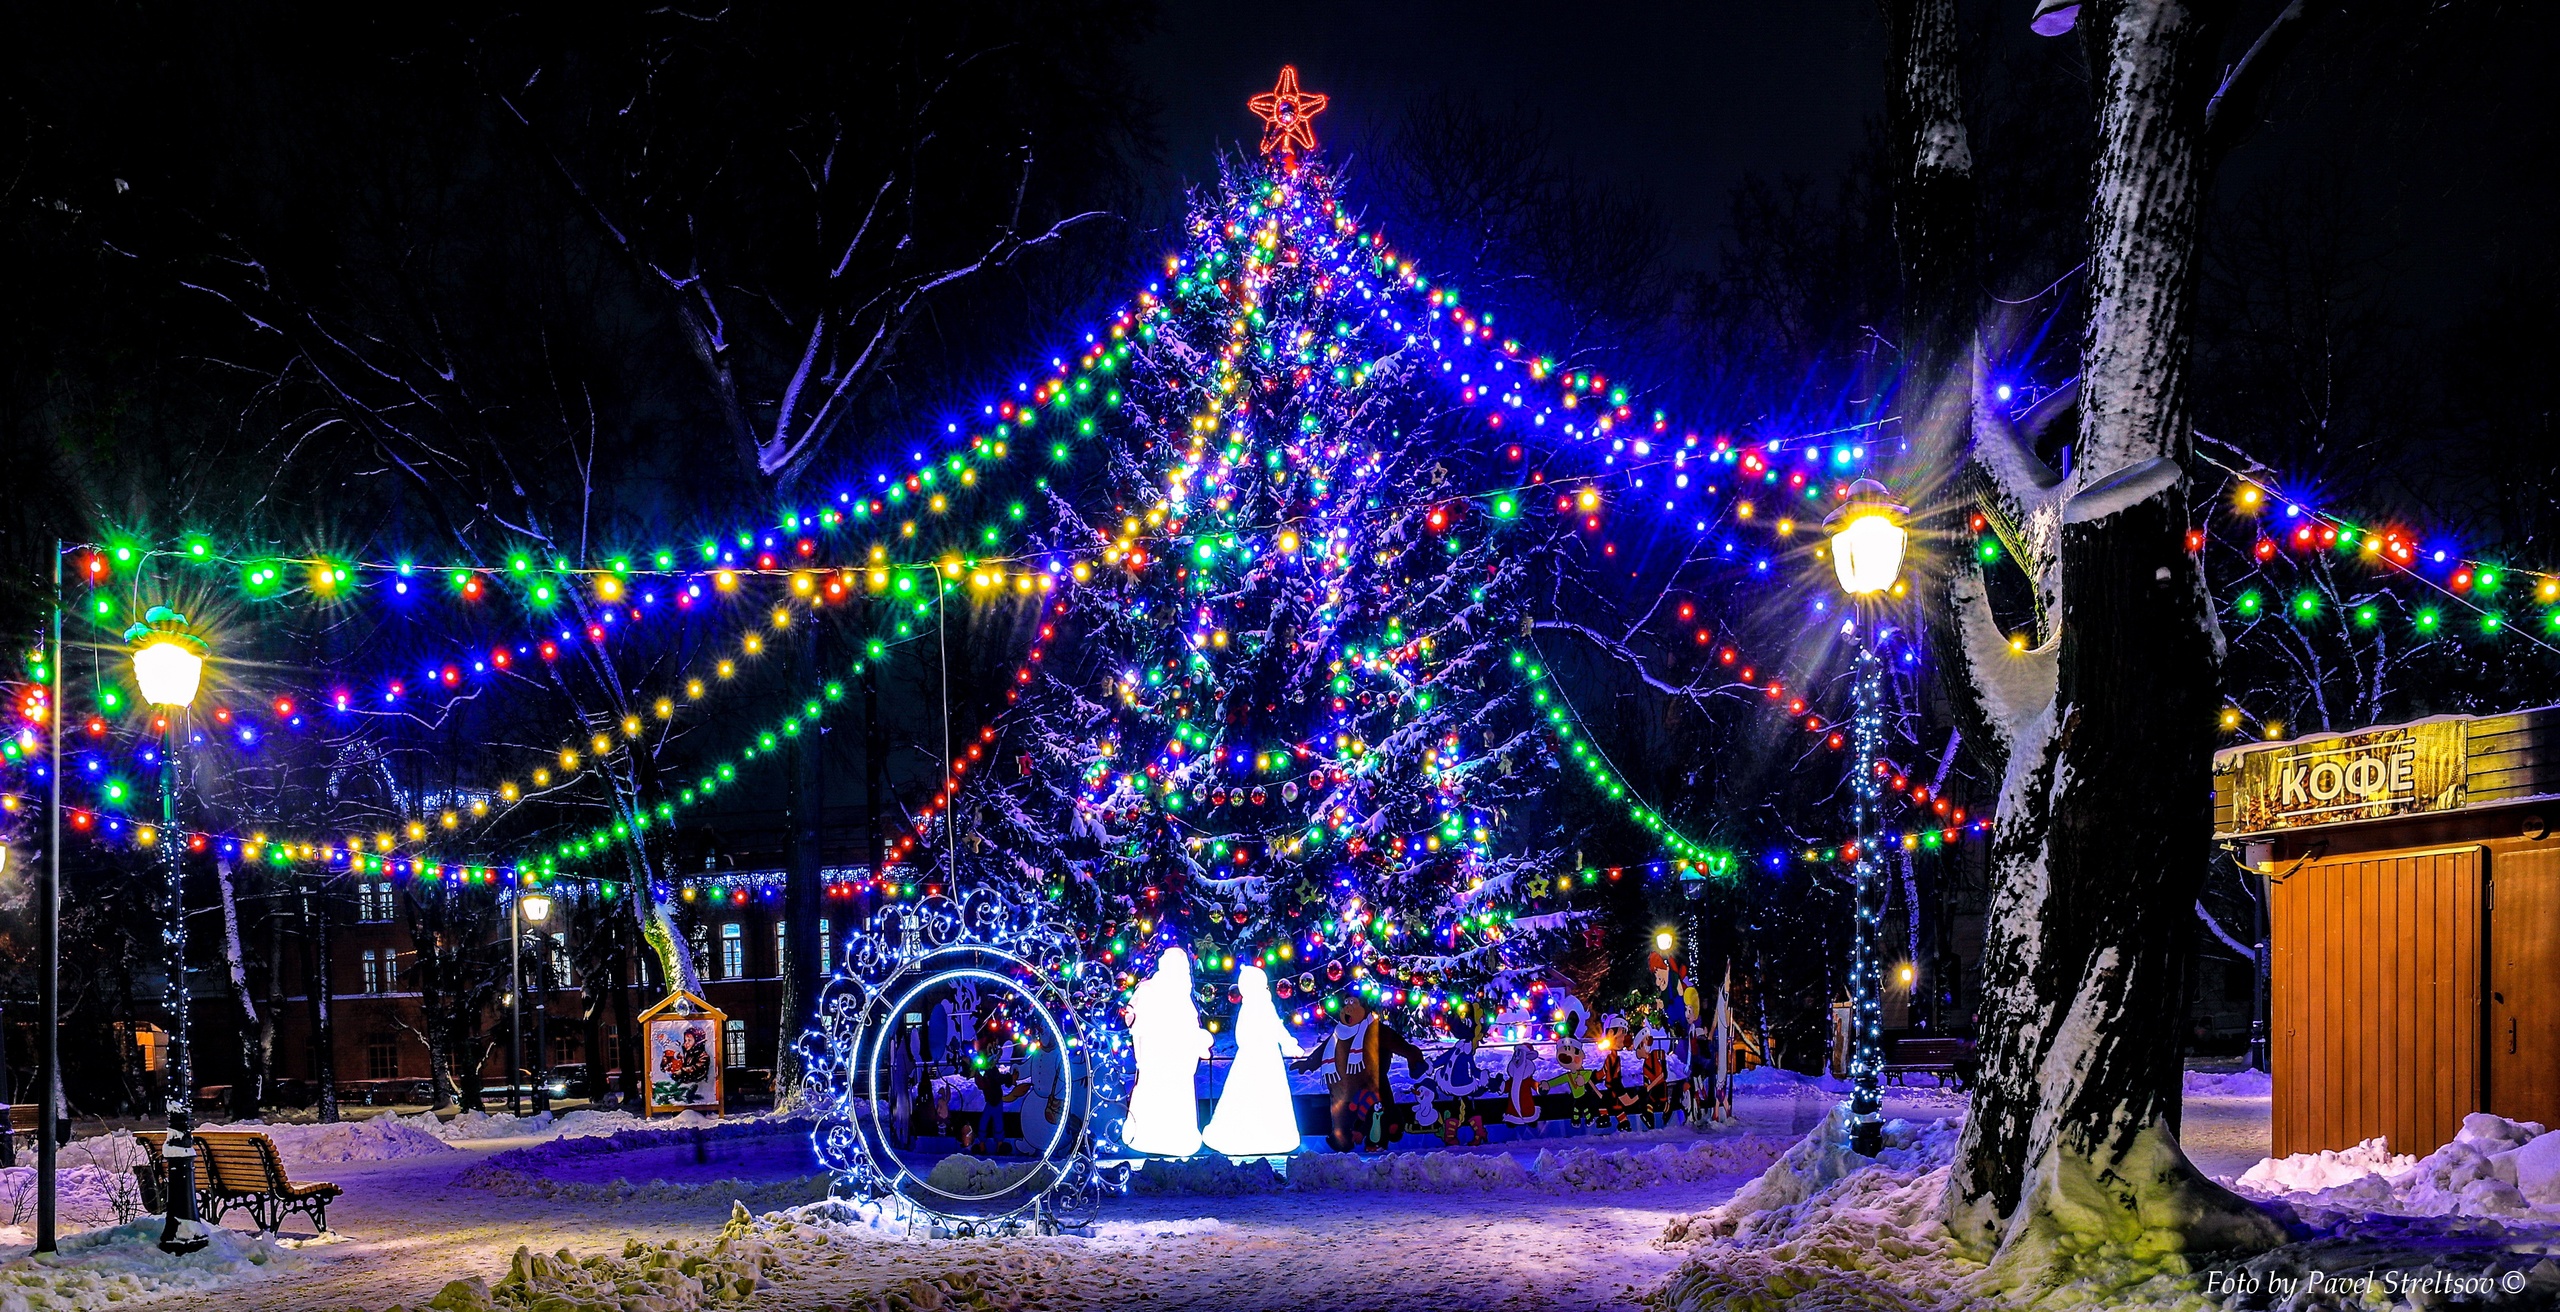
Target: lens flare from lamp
point(1867, 539)
point(168, 658)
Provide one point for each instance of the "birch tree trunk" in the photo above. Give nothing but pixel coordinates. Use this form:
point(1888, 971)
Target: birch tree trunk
point(244, 1094)
point(2105, 720)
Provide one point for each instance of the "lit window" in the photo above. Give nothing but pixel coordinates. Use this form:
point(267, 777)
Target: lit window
point(733, 951)
point(733, 1042)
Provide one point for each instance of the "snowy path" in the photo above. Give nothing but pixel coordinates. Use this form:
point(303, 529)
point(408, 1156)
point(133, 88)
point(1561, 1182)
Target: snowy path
point(408, 1229)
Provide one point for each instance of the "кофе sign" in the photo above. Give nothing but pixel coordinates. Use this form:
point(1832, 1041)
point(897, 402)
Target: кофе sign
point(2409, 769)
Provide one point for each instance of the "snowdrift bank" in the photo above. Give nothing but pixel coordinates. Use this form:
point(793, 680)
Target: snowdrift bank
point(1844, 1231)
point(2229, 1084)
point(1826, 1228)
point(528, 1171)
point(669, 1277)
point(382, 1139)
point(1557, 1170)
point(2493, 1168)
point(389, 1138)
point(122, 1265)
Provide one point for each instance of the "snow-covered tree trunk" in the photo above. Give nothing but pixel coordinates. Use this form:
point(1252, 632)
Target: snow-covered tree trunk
point(324, 1035)
point(2105, 719)
point(806, 798)
point(253, 1072)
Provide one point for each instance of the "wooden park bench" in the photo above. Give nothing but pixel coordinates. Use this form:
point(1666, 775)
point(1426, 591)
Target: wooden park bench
point(151, 1175)
point(241, 1168)
point(1947, 1060)
point(23, 1127)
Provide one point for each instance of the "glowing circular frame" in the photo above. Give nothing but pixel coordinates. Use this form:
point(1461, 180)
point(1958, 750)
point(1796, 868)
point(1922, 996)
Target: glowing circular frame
point(907, 952)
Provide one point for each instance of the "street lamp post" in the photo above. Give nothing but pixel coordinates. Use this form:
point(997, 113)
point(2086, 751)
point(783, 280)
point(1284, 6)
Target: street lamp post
point(49, 931)
point(534, 905)
point(168, 663)
point(1867, 541)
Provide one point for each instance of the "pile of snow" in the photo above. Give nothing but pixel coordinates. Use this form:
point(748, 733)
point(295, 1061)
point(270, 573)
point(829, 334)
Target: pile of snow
point(2304, 1173)
point(669, 1277)
point(1207, 1175)
point(2231, 1084)
point(93, 1184)
point(1588, 1169)
point(382, 1139)
point(1126, 1230)
point(2493, 1168)
point(1865, 1231)
point(122, 1265)
point(1766, 1080)
point(1432, 1173)
point(529, 1170)
point(1813, 1165)
point(961, 1174)
point(1561, 1170)
point(468, 1126)
point(763, 1193)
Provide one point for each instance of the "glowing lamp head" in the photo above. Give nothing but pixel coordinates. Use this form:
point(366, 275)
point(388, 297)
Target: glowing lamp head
point(1867, 538)
point(1662, 940)
point(168, 658)
point(537, 905)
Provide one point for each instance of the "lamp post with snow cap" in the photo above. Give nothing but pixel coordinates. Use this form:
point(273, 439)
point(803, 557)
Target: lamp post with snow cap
point(1867, 541)
point(168, 664)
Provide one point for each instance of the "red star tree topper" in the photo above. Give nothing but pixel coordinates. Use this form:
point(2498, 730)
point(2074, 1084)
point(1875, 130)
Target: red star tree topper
point(1287, 115)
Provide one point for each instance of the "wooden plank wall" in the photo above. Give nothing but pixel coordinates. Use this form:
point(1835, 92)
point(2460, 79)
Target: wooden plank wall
point(2377, 998)
point(2512, 756)
point(2524, 982)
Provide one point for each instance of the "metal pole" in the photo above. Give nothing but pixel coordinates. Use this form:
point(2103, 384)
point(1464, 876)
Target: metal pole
point(1866, 1009)
point(515, 1016)
point(538, 1072)
point(182, 1233)
point(49, 928)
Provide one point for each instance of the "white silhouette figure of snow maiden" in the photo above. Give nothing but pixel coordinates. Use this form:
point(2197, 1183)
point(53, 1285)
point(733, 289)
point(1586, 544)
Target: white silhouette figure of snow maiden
point(1164, 1028)
point(1255, 1116)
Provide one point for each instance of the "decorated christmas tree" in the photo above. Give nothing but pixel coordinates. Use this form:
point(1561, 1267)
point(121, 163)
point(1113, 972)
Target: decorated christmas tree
point(1286, 721)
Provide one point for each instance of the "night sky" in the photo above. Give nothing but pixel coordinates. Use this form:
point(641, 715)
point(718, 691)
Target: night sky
point(2429, 134)
point(1679, 100)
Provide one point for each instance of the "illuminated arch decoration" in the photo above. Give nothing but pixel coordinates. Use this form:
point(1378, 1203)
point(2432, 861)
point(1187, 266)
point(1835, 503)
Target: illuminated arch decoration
point(861, 1053)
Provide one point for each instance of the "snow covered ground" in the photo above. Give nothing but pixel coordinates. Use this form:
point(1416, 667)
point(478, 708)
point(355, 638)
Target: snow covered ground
point(648, 1223)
